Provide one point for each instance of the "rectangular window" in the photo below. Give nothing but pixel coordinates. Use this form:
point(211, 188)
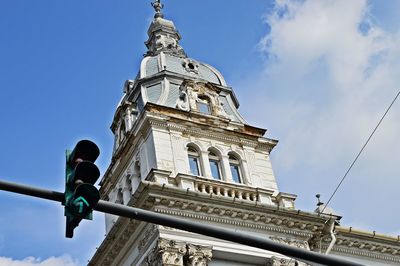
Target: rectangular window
point(215, 172)
point(235, 173)
point(203, 108)
point(139, 103)
point(194, 165)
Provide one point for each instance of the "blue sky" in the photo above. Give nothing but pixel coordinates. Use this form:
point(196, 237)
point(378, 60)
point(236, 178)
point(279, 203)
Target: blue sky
point(304, 70)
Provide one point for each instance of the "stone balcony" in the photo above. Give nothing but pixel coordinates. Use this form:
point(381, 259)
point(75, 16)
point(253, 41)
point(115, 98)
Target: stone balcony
point(224, 190)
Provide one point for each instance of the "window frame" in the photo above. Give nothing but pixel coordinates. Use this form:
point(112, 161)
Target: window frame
point(205, 102)
point(235, 163)
point(193, 153)
point(214, 158)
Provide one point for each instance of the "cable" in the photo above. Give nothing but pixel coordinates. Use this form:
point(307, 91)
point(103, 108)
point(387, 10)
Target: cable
point(359, 153)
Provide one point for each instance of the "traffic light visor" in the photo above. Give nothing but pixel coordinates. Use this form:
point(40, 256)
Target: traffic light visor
point(85, 199)
point(85, 150)
point(87, 172)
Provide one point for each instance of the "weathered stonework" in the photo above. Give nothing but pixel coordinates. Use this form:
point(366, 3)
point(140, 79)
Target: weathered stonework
point(198, 255)
point(176, 253)
point(174, 120)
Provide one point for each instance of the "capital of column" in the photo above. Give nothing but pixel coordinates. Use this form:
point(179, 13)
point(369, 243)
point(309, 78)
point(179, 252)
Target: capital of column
point(177, 253)
point(172, 252)
point(198, 255)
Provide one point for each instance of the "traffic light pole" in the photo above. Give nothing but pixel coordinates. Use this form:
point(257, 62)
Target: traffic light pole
point(208, 230)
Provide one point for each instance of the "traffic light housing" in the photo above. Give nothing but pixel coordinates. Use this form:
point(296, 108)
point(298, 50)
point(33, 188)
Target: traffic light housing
point(80, 196)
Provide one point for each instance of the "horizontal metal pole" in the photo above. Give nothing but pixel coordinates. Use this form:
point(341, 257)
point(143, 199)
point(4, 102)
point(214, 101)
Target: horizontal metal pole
point(203, 229)
point(31, 191)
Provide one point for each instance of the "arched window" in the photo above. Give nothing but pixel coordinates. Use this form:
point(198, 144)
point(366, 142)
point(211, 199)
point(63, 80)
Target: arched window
point(215, 165)
point(203, 105)
point(234, 165)
point(194, 161)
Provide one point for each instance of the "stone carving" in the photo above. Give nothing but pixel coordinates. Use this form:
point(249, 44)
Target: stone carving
point(147, 235)
point(171, 251)
point(175, 253)
point(275, 261)
point(182, 103)
point(190, 65)
point(129, 116)
point(291, 242)
point(153, 258)
point(198, 255)
point(190, 93)
point(129, 85)
point(162, 42)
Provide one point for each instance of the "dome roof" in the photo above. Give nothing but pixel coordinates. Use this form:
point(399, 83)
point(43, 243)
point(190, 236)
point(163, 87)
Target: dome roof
point(191, 68)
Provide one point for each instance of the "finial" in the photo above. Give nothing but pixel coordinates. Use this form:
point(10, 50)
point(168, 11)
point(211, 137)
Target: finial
point(157, 5)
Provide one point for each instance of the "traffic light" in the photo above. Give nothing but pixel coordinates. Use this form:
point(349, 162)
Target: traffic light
point(81, 196)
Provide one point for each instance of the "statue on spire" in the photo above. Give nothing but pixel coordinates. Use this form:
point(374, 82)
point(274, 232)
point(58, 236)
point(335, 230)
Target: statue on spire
point(157, 5)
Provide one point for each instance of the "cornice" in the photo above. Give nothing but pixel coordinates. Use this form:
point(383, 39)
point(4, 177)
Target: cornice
point(354, 232)
point(238, 223)
point(363, 253)
point(225, 135)
point(364, 244)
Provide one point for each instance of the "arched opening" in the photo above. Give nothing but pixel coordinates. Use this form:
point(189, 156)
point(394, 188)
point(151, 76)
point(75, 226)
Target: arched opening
point(194, 161)
point(215, 165)
point(234, 165)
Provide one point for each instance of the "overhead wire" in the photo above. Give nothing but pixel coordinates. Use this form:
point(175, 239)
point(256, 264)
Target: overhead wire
point(359, 153)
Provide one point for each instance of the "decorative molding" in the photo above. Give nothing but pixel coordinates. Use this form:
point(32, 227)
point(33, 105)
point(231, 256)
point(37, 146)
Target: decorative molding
point(230, 221)
point(361, 253)
point(191, 65)
point(153, 258)
point(172, 251)
point(166, 253)
point(218, 136)
point(275, 261)
point(291, 242)
point(365, 248)
point(169, 252)
point(147, 235)
point(198, 255)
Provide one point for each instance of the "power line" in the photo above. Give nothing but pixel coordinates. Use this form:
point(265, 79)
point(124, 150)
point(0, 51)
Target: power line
point(359, 153)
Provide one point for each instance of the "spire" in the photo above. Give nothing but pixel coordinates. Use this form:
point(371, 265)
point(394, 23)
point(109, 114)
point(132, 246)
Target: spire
point(157, 7)
point(163, 36)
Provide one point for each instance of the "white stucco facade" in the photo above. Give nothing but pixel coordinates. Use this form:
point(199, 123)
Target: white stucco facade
point(182, 149)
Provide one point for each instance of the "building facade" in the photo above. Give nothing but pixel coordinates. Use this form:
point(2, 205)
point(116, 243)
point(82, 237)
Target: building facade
point(182, 148)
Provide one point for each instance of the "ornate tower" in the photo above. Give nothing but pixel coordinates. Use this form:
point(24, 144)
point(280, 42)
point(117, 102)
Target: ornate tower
point(182, 148)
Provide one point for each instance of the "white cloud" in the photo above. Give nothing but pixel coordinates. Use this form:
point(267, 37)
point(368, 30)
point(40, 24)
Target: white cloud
point(345, 74)
point(330, 74)
point(64, 260)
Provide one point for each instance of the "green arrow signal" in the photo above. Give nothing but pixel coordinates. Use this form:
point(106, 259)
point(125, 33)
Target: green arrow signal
point(79, 201)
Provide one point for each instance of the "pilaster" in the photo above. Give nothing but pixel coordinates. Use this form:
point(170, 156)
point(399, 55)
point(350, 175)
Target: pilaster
point(226, 171)
point(205, 165)
point(177, 253)
point(198, 255)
